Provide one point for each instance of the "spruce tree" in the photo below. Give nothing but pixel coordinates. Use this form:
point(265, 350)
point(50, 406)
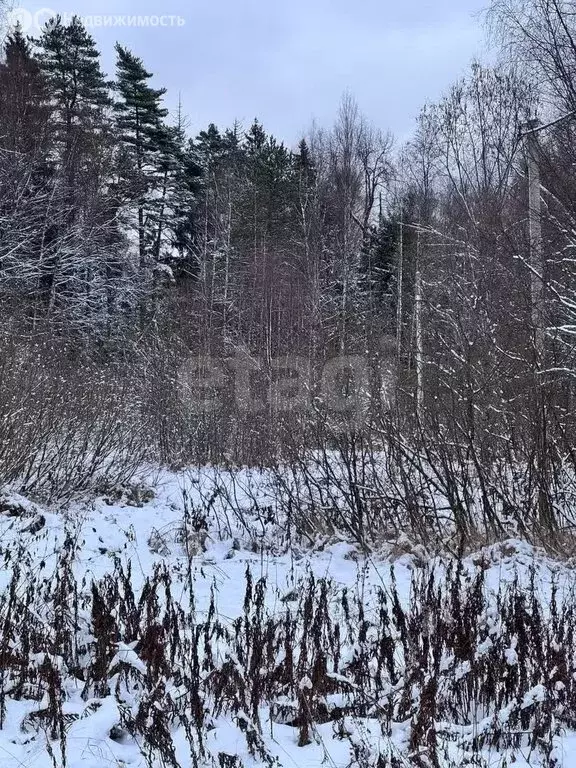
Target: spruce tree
point(186, 186)
point(271, 179)
point(27, 173)
point(23, 97)
point(304, 164)
point(171, 214)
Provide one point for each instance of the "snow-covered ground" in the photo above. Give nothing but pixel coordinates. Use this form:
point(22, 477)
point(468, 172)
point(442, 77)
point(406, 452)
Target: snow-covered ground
point(207, 551)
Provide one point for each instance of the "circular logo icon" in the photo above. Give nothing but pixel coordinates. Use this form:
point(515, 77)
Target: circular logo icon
point(42, 17)
point(22, 17)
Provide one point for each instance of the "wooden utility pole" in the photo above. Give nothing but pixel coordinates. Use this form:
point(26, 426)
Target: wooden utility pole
point(529, 133)
point(535, 230)
point(419, 335)
point(542, 464)
point(399, 288)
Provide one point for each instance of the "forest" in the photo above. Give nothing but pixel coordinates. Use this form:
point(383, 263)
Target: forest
point(162, 291)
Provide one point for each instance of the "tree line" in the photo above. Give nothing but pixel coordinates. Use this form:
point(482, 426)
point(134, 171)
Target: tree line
point(127, 244)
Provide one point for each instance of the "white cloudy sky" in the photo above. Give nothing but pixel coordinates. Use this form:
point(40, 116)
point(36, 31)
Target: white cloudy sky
point(288, 61)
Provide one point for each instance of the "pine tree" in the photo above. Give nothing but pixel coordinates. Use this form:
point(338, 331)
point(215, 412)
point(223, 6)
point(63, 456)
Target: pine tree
point(271, 181)
point(263, 237)
point(87, 257)
point(70, 64)
point(211, 145)
point(218, 210)
point(145, 141)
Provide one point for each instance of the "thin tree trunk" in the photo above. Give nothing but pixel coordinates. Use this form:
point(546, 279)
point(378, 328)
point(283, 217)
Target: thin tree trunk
point(419, 337)
point(399, 308)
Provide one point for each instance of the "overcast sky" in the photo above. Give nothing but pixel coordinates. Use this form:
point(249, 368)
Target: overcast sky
point(289, 61)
